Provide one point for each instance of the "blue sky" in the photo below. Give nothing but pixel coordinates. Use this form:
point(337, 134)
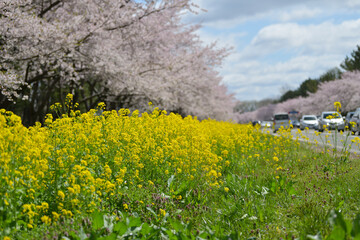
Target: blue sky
point(277, 44)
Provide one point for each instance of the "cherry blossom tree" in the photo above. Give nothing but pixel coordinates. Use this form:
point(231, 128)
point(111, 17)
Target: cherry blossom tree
point(262, 113)
point(344, 90)
point(123, 52)
point(291, 105)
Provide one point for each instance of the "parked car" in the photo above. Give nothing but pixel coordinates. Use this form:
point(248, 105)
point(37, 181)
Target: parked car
point(265, 124)
point(295, 123)
point(309, 121)
point(281, 120)
point(331, 120)
point(355, 122)
point(348, 118)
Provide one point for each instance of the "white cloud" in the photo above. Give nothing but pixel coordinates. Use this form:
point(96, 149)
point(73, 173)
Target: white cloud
point(286, 50)
point(246, 77)
point(353, 3)
point(223, 40)
point(299, 13)
point(309, 39)
point(235, 9)
point(228, 10)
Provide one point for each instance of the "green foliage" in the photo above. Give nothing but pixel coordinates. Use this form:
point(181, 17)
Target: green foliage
point(352, 63)
point(289, 95)
point(311, 85)
point(330, 75)
point(341, 228)
point(101, 226)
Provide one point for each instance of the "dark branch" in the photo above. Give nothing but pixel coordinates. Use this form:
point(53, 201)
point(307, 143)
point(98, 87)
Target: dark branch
point(54, 4)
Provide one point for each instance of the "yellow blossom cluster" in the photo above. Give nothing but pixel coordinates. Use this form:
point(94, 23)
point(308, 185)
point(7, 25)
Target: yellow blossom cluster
point(74, 164)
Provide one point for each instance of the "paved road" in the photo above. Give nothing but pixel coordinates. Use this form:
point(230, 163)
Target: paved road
point(342, 141)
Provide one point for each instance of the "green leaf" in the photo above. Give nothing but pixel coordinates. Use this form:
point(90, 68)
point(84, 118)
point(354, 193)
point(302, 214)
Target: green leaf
point(282, 181)
point(336, 219)
point(98, 220)
point(336, 234)
point(234, 236)
point(273, 186)
point(356, 226)
point(109, 222)
point(292, 191)
point(170, 180)
point(208, 229)
point(204, 235)
point(176, 225)
point(145, 229)
point(110, 237)
point(135, 222)
point(340, 205)
point(20, 223)
point(152, 211)
point(74, 236)
point(120, 228)
point(181, 188)
point(229, 178)
point(261, 215)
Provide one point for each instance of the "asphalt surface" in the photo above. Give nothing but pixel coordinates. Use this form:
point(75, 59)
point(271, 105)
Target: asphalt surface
point(342, 141)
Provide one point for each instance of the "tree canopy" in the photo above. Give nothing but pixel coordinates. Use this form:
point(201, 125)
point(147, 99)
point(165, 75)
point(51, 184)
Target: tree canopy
point(311, 85)
point(123, 52)
point(352, 63)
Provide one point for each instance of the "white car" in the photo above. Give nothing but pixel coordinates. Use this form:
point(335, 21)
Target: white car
point(309, 121)
point(354, 122)
point(265, 124)
point(331, 120)
point(281, 120)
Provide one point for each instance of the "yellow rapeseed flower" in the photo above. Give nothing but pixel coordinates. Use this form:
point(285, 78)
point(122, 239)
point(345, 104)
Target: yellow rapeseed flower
point(162, 212)
point(61, 195)
point(45, 219)
point(71, 190)
point(337, 105)
point(56, 216)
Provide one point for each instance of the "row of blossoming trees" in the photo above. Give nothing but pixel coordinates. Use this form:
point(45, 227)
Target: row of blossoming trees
point(123, 52)
point(344, 90)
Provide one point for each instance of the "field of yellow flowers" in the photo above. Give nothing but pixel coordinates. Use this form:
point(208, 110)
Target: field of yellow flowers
point(126, 175)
